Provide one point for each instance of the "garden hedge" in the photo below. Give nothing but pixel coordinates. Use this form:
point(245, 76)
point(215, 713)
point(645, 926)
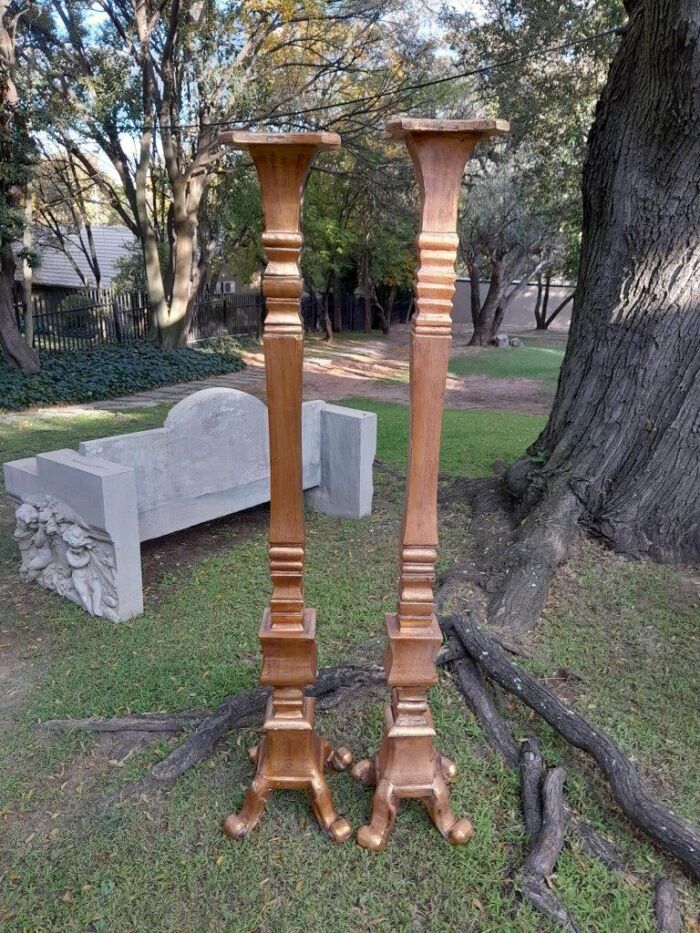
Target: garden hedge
point(106, 372)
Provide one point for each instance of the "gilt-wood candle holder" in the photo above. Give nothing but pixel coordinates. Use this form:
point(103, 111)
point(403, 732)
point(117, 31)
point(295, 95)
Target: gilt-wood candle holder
point(290, 754)
point(408, 764)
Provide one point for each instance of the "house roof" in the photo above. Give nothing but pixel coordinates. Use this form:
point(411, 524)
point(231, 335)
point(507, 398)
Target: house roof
point(111, 244)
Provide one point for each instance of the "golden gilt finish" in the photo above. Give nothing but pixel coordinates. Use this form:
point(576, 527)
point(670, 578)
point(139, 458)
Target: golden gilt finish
point(290, 755)
point(408, 764)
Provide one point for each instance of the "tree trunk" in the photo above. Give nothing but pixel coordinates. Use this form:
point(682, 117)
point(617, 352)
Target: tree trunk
point(539, 318)
point(28, 272)
point(542, 322)
point(337, 304)
point(484, 326)
point(625, 426)
point(557, 311)
point(498, 317)
point(366, 296)
point(18, 354)
point(174, 329)
point(327, 323)
point(475, 292)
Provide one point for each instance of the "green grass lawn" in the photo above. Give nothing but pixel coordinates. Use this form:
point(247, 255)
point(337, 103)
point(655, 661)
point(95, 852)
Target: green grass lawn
point(472, 441)
point(541, 363)
point(69, 860)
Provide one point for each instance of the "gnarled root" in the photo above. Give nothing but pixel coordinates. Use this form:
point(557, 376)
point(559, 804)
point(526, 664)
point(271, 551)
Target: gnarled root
point(234, 712)
point(673, 834)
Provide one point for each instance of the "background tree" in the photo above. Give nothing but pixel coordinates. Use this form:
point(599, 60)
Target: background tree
point(16, 165)
point(541, 71)
point(517, 238)
point(149, 84)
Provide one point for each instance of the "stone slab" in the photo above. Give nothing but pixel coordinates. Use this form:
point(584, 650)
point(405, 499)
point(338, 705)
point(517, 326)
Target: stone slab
point(77, 530)
point(82, 515)
point(348, 447)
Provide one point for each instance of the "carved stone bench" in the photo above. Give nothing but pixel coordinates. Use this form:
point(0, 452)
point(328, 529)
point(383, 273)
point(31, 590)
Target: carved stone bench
point(82, 515)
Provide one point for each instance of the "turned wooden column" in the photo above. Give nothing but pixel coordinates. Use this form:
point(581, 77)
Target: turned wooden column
point(408, 764)
point(290, 754)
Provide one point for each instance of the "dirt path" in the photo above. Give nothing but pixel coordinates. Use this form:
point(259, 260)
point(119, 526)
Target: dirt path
point(372, 368)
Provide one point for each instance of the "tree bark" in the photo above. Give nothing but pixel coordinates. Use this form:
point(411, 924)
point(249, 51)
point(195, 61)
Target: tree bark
point(539, 318)
point(18, 353)
point(625, 426)
point(337, 304)
point(484, 325)
point(475, 292)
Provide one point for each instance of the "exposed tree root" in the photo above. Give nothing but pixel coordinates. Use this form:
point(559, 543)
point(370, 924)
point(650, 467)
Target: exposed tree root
point(534, 879)
point(532, 773)
point(542, 544)
point(676, 836)
point(135, 722)
point(235, 712)
point(498, 735)
point(516, 555)
point(666, 907)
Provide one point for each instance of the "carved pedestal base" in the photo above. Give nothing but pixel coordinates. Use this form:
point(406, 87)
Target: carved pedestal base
point(408, 765)
point(292, 757)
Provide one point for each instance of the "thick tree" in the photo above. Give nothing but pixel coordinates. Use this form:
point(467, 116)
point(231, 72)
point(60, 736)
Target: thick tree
point(16, 160)
point(625, 428)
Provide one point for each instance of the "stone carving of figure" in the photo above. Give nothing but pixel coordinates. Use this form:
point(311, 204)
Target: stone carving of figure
point(33, 540)
point(66, 557)
point(86, 582)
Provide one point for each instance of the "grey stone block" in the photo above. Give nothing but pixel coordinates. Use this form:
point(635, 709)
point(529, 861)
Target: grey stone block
point(211, 458)
point(77, 530)
point(348, 447)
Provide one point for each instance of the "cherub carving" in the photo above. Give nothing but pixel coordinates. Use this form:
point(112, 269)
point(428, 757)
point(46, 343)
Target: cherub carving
point(33, 541)
point(91, 571)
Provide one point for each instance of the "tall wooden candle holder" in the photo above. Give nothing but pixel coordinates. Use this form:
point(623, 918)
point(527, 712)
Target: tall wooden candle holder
point(290, 755)
point(408, 764)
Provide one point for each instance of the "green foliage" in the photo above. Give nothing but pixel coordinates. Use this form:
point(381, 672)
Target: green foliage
point(106, 372)
point(16, 167)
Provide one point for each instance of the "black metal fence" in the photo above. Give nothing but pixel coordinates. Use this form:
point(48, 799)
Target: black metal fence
point(352, 312)
point(238, 314)
point(75, 320)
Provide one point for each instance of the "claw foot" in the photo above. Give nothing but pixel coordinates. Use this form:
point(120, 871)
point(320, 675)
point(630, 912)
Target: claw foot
point(364, 772)
point(460, 832)
point(339, 759)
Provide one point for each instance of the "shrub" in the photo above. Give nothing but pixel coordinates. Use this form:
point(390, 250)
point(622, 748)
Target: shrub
point(105, 372)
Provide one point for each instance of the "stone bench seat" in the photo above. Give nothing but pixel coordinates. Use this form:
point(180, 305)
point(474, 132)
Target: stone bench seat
point(82, 515)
